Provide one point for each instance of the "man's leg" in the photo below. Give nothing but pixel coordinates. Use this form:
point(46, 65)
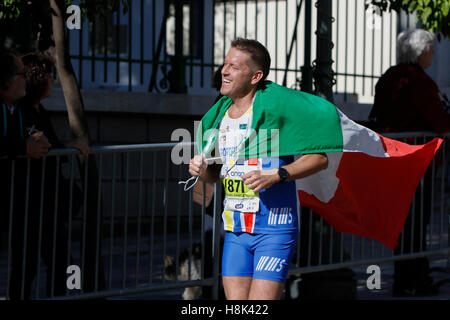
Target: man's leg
point(265, 290)
point(237, 288)
point(272, 259)
point(237, 266)
point(258, 275)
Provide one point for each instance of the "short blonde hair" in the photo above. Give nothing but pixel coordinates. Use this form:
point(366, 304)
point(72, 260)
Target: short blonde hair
point(258, 54)
point(411, 44)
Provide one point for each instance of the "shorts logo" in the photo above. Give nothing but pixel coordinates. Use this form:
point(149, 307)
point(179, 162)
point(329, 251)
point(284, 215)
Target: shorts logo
point(280, 216)
point(239, 206)
point(271, 264)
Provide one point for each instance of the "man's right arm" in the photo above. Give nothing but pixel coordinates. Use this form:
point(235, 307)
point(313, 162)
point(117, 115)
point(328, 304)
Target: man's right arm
point(199, 168)
point(212, 173)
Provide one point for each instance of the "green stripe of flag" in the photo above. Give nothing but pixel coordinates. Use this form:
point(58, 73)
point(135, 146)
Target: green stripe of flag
point(285, 122)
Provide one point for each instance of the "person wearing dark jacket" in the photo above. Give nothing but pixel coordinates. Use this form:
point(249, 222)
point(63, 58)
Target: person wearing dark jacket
point(407, 99)
point(47, 203)
point(16, 144)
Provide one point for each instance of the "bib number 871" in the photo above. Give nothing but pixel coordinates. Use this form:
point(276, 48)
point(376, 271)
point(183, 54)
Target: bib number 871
point(237, 188)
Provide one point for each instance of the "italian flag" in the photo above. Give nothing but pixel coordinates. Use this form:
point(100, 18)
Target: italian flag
point(370, 181)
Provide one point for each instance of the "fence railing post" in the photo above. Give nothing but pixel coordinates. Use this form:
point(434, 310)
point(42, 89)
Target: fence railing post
point(216, 239)
point(438, 244)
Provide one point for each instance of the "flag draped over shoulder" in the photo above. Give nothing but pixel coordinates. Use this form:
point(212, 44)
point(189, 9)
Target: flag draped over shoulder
point(370, 181)
point(303, 123)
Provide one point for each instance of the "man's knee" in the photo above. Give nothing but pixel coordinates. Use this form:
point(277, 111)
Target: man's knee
point(237, 288)
point(265, 290)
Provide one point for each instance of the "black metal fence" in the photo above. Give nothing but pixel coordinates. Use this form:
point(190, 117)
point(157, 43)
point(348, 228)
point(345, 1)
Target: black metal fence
point(143, 51)
point(113, 233)
point(115, 236)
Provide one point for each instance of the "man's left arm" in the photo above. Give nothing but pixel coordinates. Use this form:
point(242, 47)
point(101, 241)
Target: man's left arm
point(303, 167)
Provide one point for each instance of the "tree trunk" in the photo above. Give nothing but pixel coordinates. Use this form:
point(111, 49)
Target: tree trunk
point(72, 95)
point(91, 264)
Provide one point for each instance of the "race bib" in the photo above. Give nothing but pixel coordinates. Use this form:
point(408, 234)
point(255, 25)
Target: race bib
point(239, 197)
point(237, 188)
point(241, 204)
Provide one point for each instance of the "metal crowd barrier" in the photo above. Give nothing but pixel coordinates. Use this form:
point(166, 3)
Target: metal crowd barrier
point(142, 216)
point(112, 238)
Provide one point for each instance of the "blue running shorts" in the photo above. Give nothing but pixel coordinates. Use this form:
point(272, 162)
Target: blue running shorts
point(261, 256)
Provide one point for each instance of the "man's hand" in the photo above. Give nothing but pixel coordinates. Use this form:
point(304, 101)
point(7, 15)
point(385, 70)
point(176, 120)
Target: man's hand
point(37, 145)
point(261, 179)
point(198, 165)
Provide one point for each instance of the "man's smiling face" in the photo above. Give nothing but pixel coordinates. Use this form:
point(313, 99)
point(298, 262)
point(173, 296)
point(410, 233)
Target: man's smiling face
point(237, 74)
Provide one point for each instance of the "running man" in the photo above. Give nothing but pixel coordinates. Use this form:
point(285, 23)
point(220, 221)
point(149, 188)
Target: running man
point(260, 209)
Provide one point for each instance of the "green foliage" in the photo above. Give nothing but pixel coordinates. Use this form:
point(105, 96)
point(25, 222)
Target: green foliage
point(10, 9)
point(34, 17)
point(433, 15)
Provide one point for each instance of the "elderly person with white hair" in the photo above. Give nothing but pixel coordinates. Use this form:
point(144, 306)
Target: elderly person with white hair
point(407, 99)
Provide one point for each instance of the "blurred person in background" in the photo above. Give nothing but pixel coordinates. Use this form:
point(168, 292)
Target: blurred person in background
point(16, 141)
point(48, 200)
point(407, 99)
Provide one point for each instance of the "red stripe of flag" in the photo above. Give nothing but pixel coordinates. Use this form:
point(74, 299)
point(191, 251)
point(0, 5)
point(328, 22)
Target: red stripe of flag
point(375, 193)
